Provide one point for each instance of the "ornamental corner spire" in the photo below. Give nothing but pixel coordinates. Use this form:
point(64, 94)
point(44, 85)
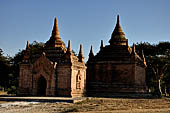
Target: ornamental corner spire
point(91, 52)
point(69, 47)
point(80, 56)
point(101, 45)
point(27, 46)
point(80, 51)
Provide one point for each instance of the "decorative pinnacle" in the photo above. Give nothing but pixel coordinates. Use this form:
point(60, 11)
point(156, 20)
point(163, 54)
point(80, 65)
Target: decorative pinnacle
point(69, 46)
point(101, 46)
point(27, 46)
point(55, 32)
point(91, 52)
point(80, 51)
point(80, 56)
point(91, 49)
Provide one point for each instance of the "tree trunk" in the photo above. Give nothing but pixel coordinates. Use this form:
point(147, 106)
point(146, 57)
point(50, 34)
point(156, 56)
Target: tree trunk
point(159, 86)
point(166, 94)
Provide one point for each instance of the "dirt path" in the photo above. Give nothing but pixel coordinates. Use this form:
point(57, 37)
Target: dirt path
point(92, 105)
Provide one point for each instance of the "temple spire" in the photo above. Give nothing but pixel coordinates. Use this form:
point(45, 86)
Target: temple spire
point(118, 29)
point(55, 31)
point(118, 35)
point(91, 49)
point(27, 53)
point(101, 46)
point(55, 40)
point(80, 56)
point(69, 47)
point(91, 52)
point(27, 46)
point(69, 53)
point(118, 21)
point(80, 51)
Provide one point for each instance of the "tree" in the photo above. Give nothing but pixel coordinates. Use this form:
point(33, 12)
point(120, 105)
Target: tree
point(159, 65)
point(148, 50)
point(16, 60)
point(14, 75)
point(4, 70)
point(157, 58)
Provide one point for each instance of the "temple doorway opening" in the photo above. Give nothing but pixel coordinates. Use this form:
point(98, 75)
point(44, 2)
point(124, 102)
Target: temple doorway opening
point(42, 85)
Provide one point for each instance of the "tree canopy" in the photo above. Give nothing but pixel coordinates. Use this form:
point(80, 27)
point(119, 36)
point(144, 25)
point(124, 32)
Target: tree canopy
point(158, 65)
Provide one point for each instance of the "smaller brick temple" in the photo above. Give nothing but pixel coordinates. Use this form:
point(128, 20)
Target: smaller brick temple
point(116, 68)
point(52, 70)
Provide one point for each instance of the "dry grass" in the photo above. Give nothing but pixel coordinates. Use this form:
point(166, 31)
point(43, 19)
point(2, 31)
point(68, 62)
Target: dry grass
point(124, 105)
point(98, 105)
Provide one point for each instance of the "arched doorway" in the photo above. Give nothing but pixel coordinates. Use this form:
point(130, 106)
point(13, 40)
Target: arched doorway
point(42, 85)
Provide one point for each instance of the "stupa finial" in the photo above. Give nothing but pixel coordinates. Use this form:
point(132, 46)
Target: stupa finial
point(118, 34)
point(55, 32)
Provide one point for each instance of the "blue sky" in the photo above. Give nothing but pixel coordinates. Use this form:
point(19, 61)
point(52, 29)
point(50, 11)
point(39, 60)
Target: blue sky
point(85, 22)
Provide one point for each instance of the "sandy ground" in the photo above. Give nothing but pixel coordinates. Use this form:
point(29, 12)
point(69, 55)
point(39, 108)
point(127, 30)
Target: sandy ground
point(3, 93)
point(91, 105)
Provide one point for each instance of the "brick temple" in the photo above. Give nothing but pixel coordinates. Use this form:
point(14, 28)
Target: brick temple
point(55, 71)
point(116, 68)
point(52, 70)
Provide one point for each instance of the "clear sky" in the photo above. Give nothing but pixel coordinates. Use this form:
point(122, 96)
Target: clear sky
point(85, 22)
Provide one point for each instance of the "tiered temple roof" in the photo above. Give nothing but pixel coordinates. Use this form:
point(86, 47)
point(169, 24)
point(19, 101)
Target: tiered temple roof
point(118, 50)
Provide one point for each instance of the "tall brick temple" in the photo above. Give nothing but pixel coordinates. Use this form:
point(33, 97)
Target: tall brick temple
point(116, 68)
point(52, 70)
